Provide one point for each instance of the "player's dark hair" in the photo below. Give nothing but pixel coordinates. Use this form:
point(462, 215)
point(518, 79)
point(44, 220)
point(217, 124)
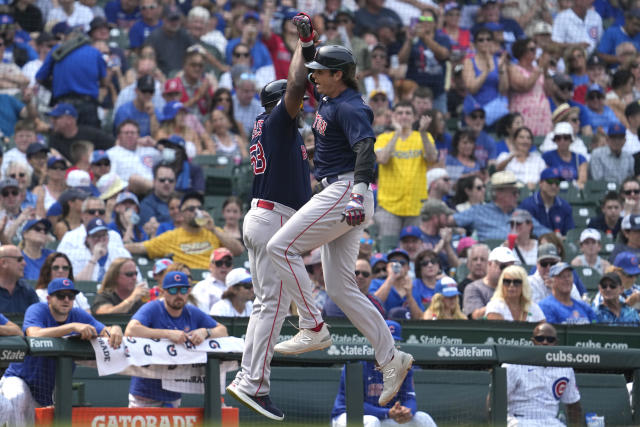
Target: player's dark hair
point(423, 92)
point(127, 122)
point(457, 138)
point(405, 104)
point(519, 48)
point(611, 195)
point(348, 80)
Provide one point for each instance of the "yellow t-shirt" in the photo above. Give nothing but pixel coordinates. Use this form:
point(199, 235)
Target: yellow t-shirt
point(402, 182)
point(191, 249)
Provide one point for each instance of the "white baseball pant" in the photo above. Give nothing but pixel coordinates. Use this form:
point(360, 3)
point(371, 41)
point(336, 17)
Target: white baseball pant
point(271, 304)
point(17, 405)
point(420, 419)
point(319, 223)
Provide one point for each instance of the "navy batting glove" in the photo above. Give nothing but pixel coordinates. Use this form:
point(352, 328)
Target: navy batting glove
point(303, 23)
point(354, 211)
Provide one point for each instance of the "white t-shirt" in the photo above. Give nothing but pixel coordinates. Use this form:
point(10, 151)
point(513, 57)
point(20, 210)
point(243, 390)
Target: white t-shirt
point(80, 302)
point(81, 15)
point(384, 84)
point(207, 292)
point(530, 256)
point(225, 308)
point(526, 172)
point(126, 163)
point(570, 28)
point(632, 144)
point(500, 307)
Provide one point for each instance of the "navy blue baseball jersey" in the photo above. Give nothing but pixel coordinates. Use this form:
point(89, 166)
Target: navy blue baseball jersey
point(279, 159)
point(340, 123)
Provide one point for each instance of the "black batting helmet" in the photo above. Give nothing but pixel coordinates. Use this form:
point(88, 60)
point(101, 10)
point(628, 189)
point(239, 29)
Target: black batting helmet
point(334, 57)
point(272, 92)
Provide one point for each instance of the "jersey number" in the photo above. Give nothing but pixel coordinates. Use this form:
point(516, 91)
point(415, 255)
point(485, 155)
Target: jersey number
point(258, 161)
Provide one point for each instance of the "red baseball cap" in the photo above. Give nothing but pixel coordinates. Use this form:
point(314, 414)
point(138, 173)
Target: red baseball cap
point(220, 253)
point(173, 85)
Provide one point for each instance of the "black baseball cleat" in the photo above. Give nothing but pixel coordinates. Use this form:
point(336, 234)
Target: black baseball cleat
point(260, 404)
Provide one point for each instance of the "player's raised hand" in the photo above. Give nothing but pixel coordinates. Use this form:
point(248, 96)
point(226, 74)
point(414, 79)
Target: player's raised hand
point(303, 23)
point(354, 211)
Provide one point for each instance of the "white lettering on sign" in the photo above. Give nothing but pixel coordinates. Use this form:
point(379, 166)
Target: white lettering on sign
point(144, 421)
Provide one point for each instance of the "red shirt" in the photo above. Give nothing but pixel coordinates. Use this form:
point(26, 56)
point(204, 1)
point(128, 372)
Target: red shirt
point(280, 55)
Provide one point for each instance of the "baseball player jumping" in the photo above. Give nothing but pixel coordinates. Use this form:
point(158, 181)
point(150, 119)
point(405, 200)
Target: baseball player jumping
point(281, 185)
point(334, 218)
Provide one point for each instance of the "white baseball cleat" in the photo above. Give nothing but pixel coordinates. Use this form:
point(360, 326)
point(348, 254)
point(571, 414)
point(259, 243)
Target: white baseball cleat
point(305, 340)
point(393, 375)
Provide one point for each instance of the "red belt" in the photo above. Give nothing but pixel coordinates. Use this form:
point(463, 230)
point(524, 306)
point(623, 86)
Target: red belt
point(265, 205)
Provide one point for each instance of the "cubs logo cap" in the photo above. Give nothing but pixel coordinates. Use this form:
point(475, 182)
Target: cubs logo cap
point(61, 284)
point(396, 329)
point(96, 225)
point(628, 262)
point(175, 279)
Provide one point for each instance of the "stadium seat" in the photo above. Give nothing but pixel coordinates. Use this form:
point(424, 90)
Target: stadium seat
point(241, 260)
point(493, 243)
point(589, 277)
point(386, 243)
point(606, 395)
point(582, 215)
point(199, 274)
point(538, 140)
point(145, 265)
point(88, 288)
point(461, 272)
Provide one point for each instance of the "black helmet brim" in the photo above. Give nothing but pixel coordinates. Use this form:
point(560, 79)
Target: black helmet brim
point(314, 65)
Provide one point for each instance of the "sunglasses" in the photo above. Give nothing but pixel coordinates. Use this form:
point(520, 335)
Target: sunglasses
point(7, 193)
point(476, 116)
point(39, 229)
point(566, 87)
point(182, 289)
point(241, 54)
point(512, 282)
point(17, 258)
point(226, 263)
point(553, 181)
point(65, 295)
point(130, 273)
point(608, 285)
point(379, 270)
point(364, 241)
point(630, 192)
point(106, 163)
point(545, 264)
point(399, 261)
point(149, 7)
point(483, 39)
point(574, 119)
point(425, 19)
point(196, 64)
point(166, 180)
point(60, 268)
point(562, 137)
point(479, 187)
point(595, 96)
point(427, 262)
point(57, 168)
point(16, 175)
point(191, 208)
point(96, 211)
point(531, 49)
point(542, 338)
point(364, 274)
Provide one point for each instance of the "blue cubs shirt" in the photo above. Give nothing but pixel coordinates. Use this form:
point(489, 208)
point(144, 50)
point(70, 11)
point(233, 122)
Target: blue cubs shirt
point(279, 159)
point(422, 294)
point(340, 122)
point(154, 315)
point(568, 170)
point(577, 313)
point(40, 372)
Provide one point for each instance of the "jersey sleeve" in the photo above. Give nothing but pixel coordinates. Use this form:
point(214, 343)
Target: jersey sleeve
point(145, 314)
point(35, 316)
point(355, 122)
point(571, 393)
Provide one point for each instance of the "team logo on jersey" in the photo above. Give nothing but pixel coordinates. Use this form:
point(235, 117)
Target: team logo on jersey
point(593, 32)
point(319, 124)
point(559, 386)
point(257, 129)
point(304, 152)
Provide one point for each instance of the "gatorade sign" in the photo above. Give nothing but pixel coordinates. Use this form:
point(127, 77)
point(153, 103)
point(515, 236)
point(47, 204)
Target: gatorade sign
point(145, 421)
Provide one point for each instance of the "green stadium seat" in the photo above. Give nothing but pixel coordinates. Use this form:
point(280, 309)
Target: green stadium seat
point(493, 243)
point(582, 215)
point(606, 395)
point(199, 274)
point(88, 288)
point(538, 140)
point(589, 277)
point(461, 272)
point(241, 261)
point(386, 243)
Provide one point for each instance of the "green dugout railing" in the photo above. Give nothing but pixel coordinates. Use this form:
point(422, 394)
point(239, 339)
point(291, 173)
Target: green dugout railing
point(459, 355)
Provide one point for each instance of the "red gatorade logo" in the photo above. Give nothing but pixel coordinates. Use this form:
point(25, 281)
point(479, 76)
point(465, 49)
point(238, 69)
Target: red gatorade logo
point(319, 124)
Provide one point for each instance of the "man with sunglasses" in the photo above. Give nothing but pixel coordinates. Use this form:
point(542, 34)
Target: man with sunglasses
point(155, 207)
point(149, 20)
point(435, 216)
point(546, 207)
point(30, 383)
point(170, 318)
point(475, 120)
point(630, 227)
point(535, 392)
point(11, 199)
point(613, 310)
point(540, 281)
point(560, 306)
point(15, 294)
point(607, 163)
point(209, 291)
point(478, 294)
point(191, 243)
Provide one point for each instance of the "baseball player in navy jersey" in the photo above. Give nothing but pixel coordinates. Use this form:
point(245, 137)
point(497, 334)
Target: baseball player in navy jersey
point(281, 185)
point(534, 392)
point(334, 218)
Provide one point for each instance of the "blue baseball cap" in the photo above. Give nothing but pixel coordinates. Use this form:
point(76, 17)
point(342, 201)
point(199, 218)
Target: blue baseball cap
point(54, 210)
point(628, 262)
point(171, 110)
point(470, 105)
point(61, 284)
point(61, 28)
point(251, 15)
point(96, 225)
point(558, 268)
point(411, 231)
point(36, 147)
point(174, 279)
point(6, 19)
point(396, 329)
point(616, 129)
point(127, 195)
point(98, 155)
point(55, 159)
point(493, 26)
point(63, 108)
point(398, 251)
point(550, 173)
point(447, 287)
point(29, 224)
point(376, 258)
point(595, 88)
point(175, 140)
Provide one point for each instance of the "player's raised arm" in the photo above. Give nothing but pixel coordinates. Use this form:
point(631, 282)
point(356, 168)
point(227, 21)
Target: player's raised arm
point(297, 79)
